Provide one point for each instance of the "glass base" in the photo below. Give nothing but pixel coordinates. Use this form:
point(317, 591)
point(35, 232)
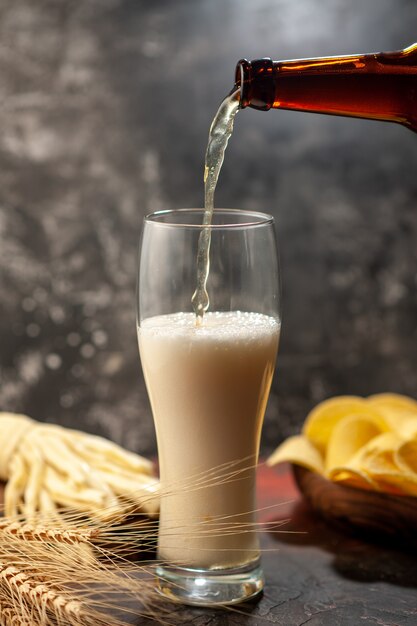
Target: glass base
point(200, 587)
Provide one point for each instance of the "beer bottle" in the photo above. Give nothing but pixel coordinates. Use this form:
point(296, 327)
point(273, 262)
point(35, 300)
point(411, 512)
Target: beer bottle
point(381, 86)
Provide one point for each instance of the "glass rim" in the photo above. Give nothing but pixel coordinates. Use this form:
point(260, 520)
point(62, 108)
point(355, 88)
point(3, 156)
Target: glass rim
point(255, 218)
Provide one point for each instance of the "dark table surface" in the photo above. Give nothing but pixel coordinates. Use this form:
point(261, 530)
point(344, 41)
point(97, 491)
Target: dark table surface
point(316, 574)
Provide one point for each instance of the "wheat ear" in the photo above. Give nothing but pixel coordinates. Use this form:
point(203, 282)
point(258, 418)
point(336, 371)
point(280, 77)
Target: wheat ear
point(37, 594)
point(9, 617)
point(31, 532)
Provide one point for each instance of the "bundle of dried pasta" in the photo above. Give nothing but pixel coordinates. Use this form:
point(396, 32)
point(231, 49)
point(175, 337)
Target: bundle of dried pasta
point(48, 467)
point(369, 443)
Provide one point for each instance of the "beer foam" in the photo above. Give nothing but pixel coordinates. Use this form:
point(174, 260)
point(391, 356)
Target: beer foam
point(221, 326)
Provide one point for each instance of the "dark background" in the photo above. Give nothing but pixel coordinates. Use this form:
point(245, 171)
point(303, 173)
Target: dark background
point(105, 107)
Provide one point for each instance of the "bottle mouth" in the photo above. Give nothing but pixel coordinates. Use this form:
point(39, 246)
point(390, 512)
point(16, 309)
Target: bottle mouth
point(254, 80)
point(242, 81)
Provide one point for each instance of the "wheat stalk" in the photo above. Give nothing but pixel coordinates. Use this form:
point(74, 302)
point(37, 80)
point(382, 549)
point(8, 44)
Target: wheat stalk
point(9, 617)
point(30, 532)
point(45, 581)
point(43, 595)
point(37, 595)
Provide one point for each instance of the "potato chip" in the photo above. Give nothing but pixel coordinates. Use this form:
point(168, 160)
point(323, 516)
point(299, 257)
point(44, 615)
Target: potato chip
point(370, 460)
point(377, 453)
point(377, 460)
point(390, 476)
point(349, 435)
point(300, 451)
point(400, 412)
point(406, 457)
point(389, 401)
point(406, 426)
point(397, 484)
point(321, 421)
point(401, 422)
point(352, 478)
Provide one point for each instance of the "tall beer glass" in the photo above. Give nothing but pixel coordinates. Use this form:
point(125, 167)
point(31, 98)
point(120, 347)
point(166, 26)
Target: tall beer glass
point(208, 385)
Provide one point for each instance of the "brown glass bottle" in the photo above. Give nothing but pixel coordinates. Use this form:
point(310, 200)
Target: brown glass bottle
point(379, 86)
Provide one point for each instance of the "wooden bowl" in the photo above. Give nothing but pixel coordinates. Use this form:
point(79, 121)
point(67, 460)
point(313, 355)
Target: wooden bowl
point(375, 514)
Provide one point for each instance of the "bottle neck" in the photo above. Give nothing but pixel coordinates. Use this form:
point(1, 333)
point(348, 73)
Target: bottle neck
point(256, 82)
